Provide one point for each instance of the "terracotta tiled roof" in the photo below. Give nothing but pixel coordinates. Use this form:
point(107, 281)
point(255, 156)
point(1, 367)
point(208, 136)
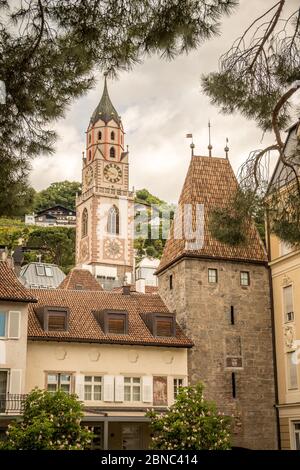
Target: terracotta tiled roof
point(80, 279)
point(10, 286)
point(211, 182)
point(83, 326)
point(148, 289)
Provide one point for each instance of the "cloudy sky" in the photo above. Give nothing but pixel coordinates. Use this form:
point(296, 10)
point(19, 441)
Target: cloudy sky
point(160, 102)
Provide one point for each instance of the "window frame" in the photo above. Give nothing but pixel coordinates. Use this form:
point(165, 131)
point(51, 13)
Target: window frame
point(285, 313)
point(112, 152)
point(177, 386)
point(50, 269)
point(44, 312)
point(131, 385)
point(116, 316)
point(92, 384)
point(40, 266)
point(212, 271)
point(84, 223)
point(58, 383)
point(295, 433)
point(290, 364)
point(5, 315)
point(159, 316)
point(241, 278)
point(113, 220)
point(112, 135)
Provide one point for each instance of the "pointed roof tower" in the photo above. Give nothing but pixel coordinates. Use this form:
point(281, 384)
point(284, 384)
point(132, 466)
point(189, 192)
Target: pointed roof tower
point(211, 182)
point(105, 109)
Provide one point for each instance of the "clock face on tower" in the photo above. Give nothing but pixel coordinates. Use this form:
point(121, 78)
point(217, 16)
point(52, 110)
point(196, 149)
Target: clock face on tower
point(112, 173)
point(88, 176)
point(113, 248)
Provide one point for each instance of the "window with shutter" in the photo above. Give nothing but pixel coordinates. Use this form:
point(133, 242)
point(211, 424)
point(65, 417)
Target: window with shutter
point(147, 389)
point(119, 388)
point(288, 303)
point(116, 325)
point(108, 388)
point(57, 321)
point(14, 324)
point(15, 380)
point(164, 326)
point(292, 372)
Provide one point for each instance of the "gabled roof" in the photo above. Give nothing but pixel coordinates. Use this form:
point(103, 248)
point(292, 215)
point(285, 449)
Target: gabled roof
point(83, 326)
point(211, 182)
point(58, 206)
point(30, 278)
point(105, 109)
point(10, 287)
point(80, 279)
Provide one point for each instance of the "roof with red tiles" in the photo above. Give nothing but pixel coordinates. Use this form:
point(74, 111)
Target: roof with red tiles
point(210, 181)
point(148, 289)
point(80, 279)
point(83, 327)
point(10, 287)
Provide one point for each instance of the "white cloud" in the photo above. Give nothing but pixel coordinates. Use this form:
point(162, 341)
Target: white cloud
point(160, 102)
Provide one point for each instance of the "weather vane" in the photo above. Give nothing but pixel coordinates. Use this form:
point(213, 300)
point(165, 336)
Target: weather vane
point(192, 145)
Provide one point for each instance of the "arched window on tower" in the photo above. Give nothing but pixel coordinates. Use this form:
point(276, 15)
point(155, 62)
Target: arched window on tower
point(113, 221)
point(99, 135)
point(84, 223)
point(90, 155)
point(112, 135)
point(90, 138)
point(112, 152)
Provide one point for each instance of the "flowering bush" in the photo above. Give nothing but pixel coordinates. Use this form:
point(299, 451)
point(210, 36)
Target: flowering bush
point(51, 421)
point(191, 423)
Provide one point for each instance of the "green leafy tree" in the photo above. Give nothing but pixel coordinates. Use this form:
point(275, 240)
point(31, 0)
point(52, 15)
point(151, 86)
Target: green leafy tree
point(192, 423)
point(50, 51)
point(56, 244)
point(260, 78)
point(51, 421)
point(62, 193)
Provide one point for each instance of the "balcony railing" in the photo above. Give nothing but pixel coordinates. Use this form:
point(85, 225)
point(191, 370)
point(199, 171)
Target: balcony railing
point(11, 404)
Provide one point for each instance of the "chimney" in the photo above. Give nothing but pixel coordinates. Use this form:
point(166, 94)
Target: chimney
point(126, 289)
point(140, 285)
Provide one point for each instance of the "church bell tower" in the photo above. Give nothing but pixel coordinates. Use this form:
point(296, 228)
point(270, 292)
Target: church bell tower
point(105, 209)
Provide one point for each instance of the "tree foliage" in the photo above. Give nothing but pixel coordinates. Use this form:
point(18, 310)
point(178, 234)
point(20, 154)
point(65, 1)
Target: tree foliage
point(50, 51)
point(192, 423)
point(258, 77)
point(60, 193)
point(51, 421)
point(55, 244)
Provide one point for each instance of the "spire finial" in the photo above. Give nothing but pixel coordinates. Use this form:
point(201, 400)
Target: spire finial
point(226, 148)
point(209, 139)
point(192, 145)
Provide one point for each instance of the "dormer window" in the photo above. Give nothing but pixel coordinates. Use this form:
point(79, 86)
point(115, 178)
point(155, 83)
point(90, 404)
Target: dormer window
point(112, 135)
point(40, 270)
point(113, 321)
point(53, 318)
point(161, 324)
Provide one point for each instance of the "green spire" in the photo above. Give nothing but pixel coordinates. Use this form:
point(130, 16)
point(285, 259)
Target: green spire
point(105, 109)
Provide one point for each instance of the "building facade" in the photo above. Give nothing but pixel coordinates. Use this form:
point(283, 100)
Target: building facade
point(221, 296)
point(285, 269)
point(120, 353)
point(14, 299)
point(105, 208)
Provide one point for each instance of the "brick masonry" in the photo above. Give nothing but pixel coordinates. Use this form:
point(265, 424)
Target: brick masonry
point(204, 312)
